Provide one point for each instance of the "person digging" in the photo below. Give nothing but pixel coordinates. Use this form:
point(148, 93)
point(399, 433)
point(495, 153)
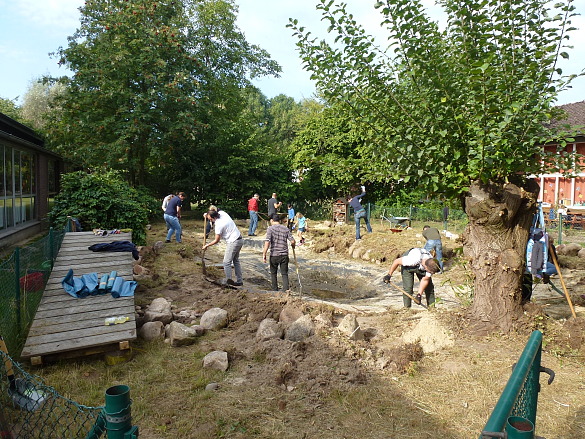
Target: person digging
point(419, 262)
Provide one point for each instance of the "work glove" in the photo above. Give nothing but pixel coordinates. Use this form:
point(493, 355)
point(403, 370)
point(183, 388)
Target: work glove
point(363, 188)
point(419, 298)
point(387, 279)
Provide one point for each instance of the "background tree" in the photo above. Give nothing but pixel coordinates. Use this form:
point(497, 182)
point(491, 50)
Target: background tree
point(462, 111)
point(37, 100)
point(11, 109)
point(150, 80)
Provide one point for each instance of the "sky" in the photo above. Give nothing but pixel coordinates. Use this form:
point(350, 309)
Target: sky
point(31, 29)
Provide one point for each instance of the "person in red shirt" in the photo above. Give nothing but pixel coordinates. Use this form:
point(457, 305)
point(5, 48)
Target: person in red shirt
point(253, 206)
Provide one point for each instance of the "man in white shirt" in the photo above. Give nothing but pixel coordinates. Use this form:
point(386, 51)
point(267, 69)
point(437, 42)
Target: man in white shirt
point(226, 229)
point(420, 262)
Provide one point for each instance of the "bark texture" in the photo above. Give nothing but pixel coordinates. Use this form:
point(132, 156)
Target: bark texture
point(500, 217)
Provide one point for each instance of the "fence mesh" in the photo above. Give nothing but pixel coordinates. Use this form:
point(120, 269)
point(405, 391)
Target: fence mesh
point(29, 409)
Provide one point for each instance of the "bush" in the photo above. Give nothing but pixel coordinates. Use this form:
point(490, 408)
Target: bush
point(103, 201)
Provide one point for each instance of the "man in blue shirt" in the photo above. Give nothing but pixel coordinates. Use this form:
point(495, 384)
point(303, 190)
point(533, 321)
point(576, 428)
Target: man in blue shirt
point(173, 216)
point(359, 212)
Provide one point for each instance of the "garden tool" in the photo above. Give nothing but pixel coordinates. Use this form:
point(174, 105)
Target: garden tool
point(203, 268)
point(23, 394)
point(418, 302)
point(297, 268)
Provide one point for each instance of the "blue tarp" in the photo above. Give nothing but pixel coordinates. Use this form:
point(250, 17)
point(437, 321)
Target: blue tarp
point(87, 284)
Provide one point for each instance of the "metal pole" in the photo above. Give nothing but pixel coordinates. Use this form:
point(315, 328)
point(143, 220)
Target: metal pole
point(560, 228)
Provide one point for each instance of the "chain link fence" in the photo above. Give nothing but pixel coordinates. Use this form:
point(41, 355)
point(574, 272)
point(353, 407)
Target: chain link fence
point(23, 276)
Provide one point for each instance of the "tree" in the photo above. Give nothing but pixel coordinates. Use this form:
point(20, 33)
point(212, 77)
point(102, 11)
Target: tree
point(37, 100)
point(462, 111)
point(9, 108)
point(149, 79)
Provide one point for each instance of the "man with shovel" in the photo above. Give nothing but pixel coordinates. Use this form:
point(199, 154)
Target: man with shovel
point(420, 262)
point(277, 236)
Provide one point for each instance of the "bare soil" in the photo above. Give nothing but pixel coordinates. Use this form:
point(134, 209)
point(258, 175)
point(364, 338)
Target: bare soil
point(415, 374)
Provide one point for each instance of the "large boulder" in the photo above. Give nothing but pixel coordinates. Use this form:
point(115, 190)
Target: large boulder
point(159, 311)
point(183, 335)
point(217, 360)
point(300, 329)
point(214, 319)
point(572, 249)
point(350, 327)
point(289, 314)
point(269, 329)
point(152, 331)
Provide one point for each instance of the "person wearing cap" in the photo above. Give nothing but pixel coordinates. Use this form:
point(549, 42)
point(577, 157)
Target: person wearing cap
point(420, 262)
point(277, 237)
point(359, 212)
point(226, 228)
point(253, 206)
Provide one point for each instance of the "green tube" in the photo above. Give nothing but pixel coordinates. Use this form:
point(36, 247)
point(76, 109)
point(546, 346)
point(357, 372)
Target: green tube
point(118, 413)
point(518, 427)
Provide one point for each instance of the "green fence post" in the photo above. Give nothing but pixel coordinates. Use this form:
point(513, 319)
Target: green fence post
point(560, 228)
point(17, 288)
point(118, 413)
point(51, 247)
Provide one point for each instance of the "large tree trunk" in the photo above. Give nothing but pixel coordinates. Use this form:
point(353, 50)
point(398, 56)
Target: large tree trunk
point(500, 216)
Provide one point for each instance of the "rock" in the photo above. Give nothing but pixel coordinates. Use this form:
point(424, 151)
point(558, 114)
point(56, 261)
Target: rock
point(323, 321)
point(183, 316)
point(572, 249)
point(139, 270)
point(217, 360)
point(212, 387)
point(366, 255)
point(289, 314)
point(214, 319)
point(581, 253)
point(152, 331)
point(144, 250)
point(159, 310)
point(358, 251)
point(352, 247)
point(350, 327)
point(158, 245)
point(181, 335)
point(301, 329)
point(327, 223)
point(269, 329)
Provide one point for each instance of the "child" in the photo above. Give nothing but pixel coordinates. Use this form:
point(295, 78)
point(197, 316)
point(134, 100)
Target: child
point(291, 217)
point(301, 227)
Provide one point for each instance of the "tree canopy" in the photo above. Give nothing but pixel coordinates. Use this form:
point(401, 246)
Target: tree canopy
point(472, 99)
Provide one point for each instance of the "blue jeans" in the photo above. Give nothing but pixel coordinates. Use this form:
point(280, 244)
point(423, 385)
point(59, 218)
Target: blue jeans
point(174, 227)
point(232, 255)
point(357, 216)
point(253, 222)
point(438, 246)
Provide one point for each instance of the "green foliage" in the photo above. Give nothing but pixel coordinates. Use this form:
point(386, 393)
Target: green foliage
point(10, 108)
point(103, 200)
point(153, 83)
point(444, 108)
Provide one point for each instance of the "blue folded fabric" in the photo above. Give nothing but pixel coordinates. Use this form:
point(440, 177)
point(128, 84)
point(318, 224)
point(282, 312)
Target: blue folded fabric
point(87, 284)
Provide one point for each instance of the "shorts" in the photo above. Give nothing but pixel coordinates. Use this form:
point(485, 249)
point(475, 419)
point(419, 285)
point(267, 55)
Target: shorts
point(302, 229)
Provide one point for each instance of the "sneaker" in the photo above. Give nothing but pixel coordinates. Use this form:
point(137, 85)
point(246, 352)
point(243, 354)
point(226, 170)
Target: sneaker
point(234, 284)
point(168, 241)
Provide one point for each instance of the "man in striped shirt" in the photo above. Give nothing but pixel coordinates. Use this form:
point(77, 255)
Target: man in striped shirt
point(276, 239)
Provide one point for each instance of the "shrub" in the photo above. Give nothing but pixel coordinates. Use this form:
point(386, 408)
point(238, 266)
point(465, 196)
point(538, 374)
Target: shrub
point(102, 200)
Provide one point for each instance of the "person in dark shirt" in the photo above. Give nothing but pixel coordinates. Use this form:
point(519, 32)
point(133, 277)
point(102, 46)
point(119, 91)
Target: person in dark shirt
point(359, 212)
point(173, 216)
point(277, 237)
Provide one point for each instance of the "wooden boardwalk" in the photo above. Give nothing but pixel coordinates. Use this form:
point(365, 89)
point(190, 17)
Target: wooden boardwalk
point(65, 326)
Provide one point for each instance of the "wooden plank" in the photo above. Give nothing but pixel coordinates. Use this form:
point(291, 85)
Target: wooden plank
point(40, 329)
point(88, 316)
point(53, 337)
point(59, 310)
point(64, 324)
point(70, 345)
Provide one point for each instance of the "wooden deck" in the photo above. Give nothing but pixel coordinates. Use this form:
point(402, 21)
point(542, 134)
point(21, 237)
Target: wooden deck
point(65, 326)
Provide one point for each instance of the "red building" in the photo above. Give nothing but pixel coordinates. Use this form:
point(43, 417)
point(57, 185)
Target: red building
point(557, 188)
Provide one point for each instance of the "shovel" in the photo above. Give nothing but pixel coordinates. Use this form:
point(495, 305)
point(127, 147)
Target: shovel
point(297, 268)
point(203, 268)
point(406, 294)
point(23, 394)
